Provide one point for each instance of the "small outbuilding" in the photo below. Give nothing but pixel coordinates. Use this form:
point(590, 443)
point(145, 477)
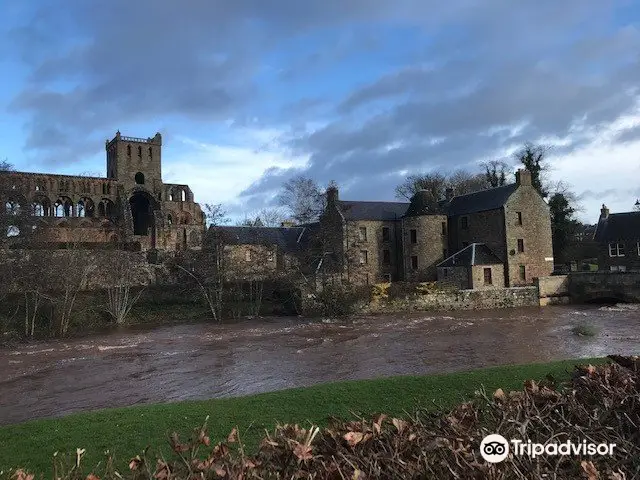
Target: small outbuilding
point(474, 267)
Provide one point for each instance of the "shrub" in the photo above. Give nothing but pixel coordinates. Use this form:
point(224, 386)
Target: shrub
point(338, 300)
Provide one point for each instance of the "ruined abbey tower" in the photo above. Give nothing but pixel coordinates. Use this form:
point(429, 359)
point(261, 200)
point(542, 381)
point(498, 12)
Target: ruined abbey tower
point(132, 207)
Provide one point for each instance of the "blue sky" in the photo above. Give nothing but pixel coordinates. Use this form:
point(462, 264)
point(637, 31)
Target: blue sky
point(250, 93)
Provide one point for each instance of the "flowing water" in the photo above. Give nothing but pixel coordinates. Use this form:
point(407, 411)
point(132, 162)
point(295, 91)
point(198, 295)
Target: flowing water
point(199, 361)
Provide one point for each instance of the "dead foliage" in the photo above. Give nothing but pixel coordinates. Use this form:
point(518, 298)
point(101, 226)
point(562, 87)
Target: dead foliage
point(600, 404)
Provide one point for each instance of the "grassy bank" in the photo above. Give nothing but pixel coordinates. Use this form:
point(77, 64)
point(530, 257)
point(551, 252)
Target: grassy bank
point(127, 431)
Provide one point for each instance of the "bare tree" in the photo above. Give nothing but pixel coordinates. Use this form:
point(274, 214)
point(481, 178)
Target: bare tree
point(121, 283)
point(303, 198)
point(496, 173)
point(464, 182)
point(436, 184)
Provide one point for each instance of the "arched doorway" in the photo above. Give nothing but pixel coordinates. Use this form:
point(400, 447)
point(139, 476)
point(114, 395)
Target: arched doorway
point(142, 212)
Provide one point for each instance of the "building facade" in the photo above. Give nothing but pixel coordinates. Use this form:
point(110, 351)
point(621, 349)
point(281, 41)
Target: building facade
point(618, 237)
point(131, 205)
point(373, 242)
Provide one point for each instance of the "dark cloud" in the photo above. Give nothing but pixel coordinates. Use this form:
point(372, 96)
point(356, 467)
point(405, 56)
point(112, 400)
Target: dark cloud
point(471, 70)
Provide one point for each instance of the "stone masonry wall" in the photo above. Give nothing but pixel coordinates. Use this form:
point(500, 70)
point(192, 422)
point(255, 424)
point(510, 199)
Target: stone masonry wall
point(430, 247)
point(536, 233)
point(461, 300)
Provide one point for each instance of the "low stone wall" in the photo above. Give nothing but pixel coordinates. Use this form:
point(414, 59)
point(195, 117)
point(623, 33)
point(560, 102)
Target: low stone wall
point(460, 300)
point(553, 290)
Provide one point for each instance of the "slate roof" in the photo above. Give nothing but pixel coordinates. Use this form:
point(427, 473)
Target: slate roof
point(481, 201)
point(474, 254)
point(619, 226)
point(373, 210)
point(286, 238)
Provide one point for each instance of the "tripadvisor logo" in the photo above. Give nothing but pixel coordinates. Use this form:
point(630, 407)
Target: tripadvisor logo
point(495, 448)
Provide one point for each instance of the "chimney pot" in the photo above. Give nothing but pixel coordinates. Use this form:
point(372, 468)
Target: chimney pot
point(604, 212)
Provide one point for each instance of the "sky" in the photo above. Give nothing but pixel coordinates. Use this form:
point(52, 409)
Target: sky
point(249, 93)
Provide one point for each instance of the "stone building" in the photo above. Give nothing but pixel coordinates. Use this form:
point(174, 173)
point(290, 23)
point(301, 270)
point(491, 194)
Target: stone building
point(389, 241)
point(131, 206)
point(618, 237)
point(473, 267)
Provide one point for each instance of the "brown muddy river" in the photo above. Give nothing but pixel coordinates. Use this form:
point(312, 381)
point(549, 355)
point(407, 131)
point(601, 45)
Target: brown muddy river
point(202, 361)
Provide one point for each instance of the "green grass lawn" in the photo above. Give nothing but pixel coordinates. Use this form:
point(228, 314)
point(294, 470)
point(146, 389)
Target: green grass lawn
point(127, 431)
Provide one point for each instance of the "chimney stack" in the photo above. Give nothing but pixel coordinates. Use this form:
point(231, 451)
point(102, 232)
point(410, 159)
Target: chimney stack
point(523, 177)
point(332, 196)
point(449, 193)
point(604, 212)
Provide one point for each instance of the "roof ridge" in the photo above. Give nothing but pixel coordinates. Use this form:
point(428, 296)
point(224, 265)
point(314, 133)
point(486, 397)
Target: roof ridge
point(485, 190)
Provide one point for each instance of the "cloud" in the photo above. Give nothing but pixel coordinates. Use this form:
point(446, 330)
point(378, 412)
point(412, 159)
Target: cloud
point(256, 92)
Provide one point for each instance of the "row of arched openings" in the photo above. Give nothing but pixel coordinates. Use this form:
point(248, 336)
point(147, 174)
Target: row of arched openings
point(63, 207)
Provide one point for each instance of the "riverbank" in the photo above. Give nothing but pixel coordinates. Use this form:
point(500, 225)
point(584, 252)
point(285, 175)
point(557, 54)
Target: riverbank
point(127, 431)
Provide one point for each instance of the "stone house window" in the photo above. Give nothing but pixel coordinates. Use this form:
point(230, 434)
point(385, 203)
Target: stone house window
point(247, 255)
point(616, 249)
point(385, 234)
point(139, 152)
point(464, 223)
point(523, 272)
point(362, 234)
point(386, 257)
point(445, 272)
point(270, 256)
point(520, 245)
point(150, 154)
point(139, 178)
point(128, 150)
point(364, 257)
point(487, 276)
point(519, 218)
point(413, 233)
point(414, 262)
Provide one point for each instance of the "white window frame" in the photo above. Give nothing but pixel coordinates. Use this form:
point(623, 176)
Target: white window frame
point(614, 249)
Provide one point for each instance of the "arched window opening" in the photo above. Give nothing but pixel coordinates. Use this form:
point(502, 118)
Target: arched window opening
point(41, 207)
point(171, 196)
point(38, 210)
point(139, 178)
point(80, 209)
point(142, 213)
point(139, 151)
point(12, 207)
point(183, 195)
point(13, 231)
point(170, 220)
point(89, 207)
point(39, 187)
point(150, 153)
point(128, 150)
point(63, 207)
point(105, 208)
